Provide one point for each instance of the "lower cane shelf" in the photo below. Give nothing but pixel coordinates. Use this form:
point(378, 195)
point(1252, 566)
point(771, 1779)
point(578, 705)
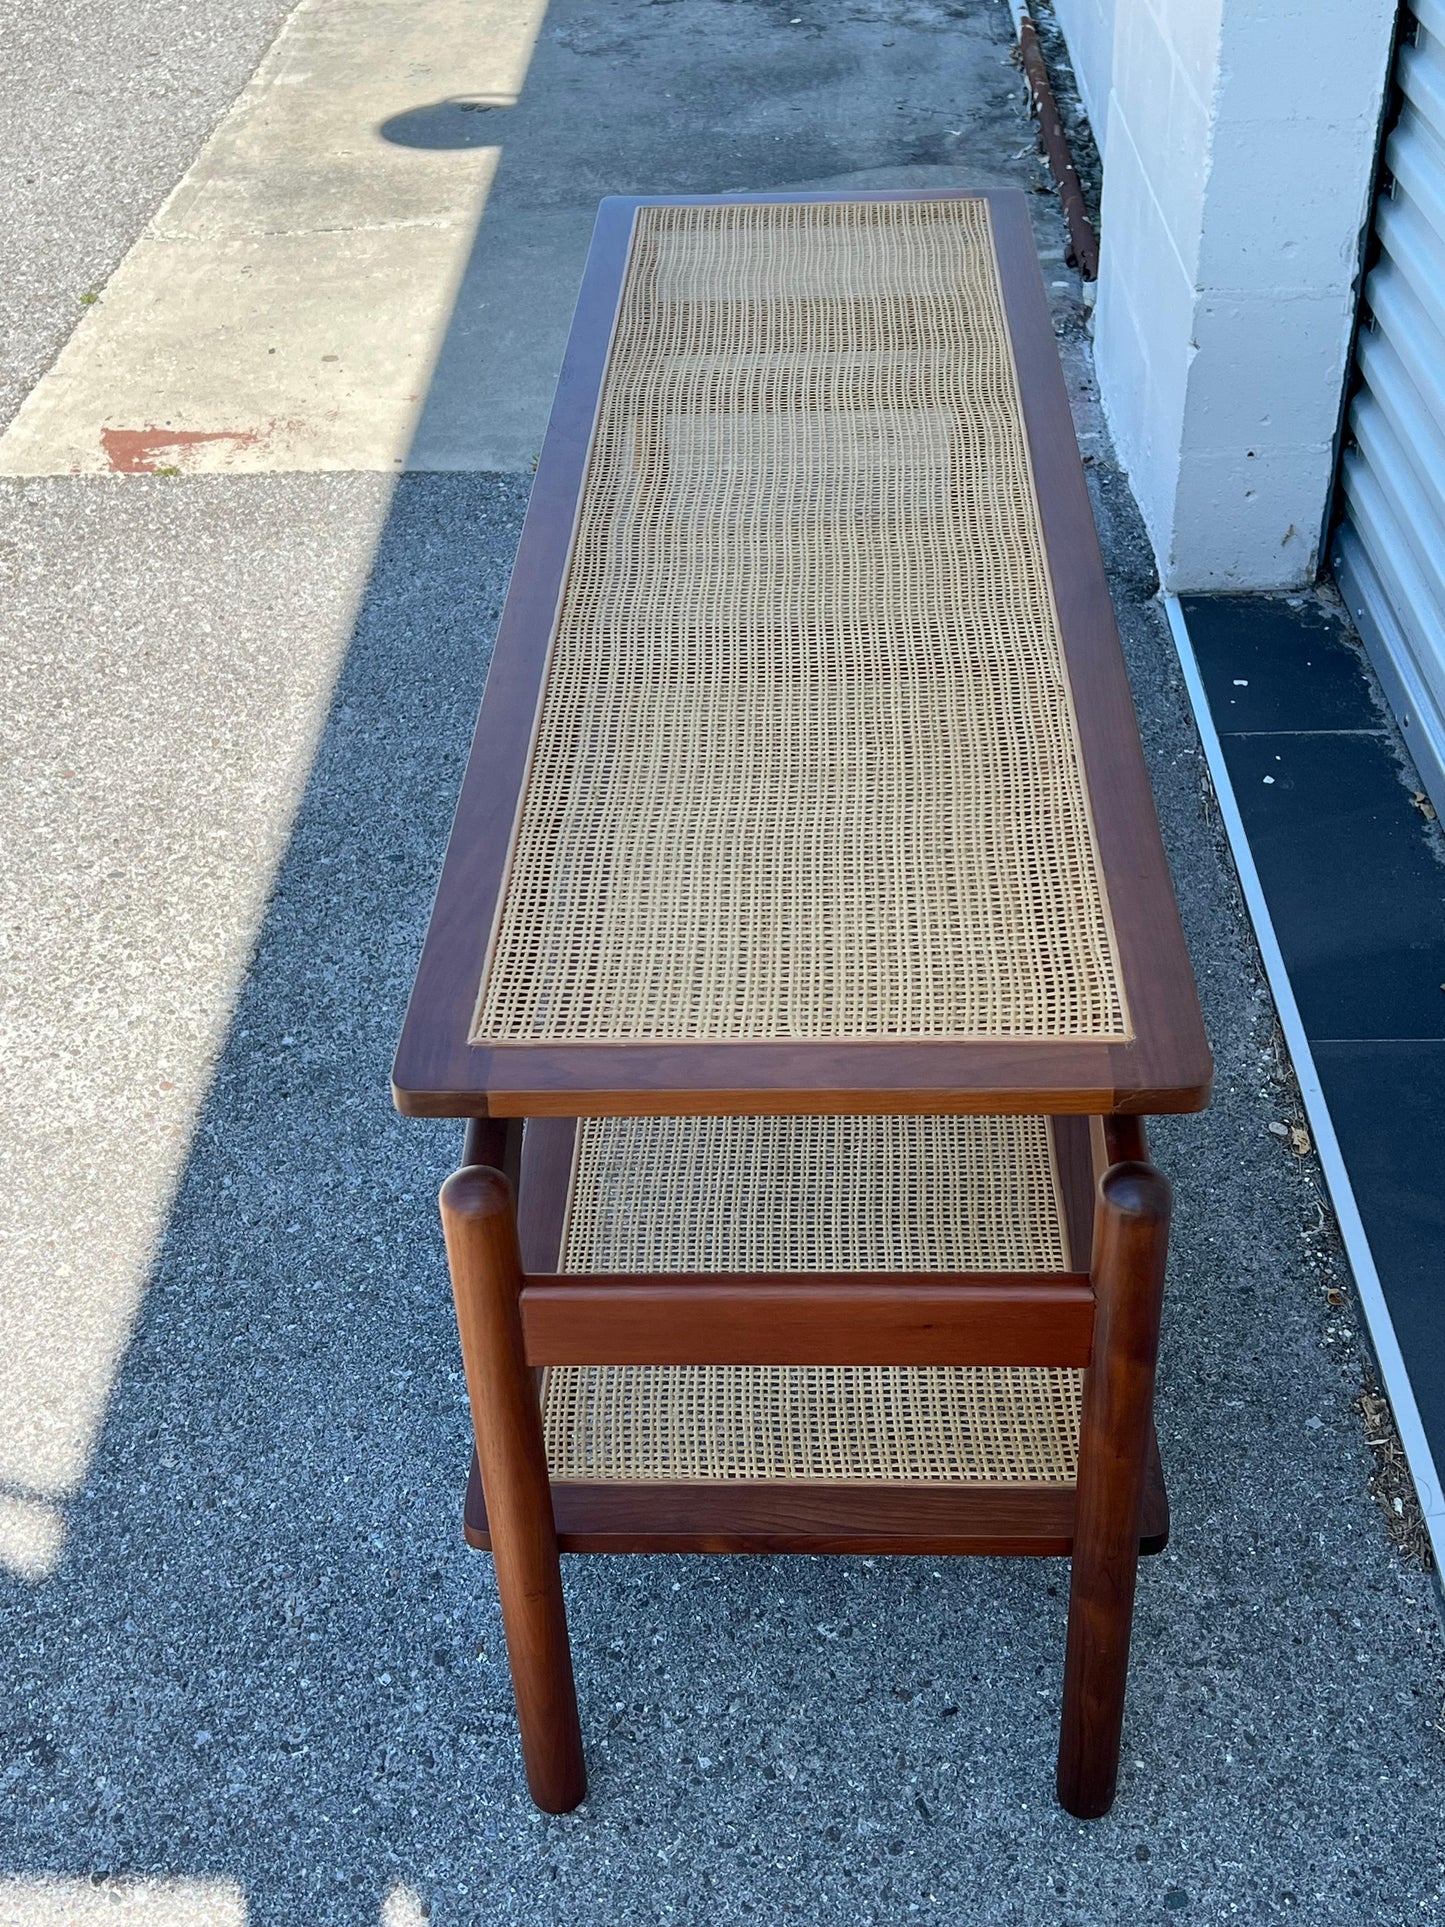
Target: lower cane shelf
point(809, 1458)
point(785, 1515)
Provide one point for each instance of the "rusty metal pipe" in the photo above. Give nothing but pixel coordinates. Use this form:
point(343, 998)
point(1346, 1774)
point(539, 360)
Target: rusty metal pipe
point(1083, 242)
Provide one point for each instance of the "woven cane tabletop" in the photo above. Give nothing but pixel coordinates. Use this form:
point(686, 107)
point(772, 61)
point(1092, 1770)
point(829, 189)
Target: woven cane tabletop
point(804, 763)
point(807, 764)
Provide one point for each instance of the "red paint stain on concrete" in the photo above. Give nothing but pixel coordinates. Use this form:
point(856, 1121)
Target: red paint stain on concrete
point(142, 451)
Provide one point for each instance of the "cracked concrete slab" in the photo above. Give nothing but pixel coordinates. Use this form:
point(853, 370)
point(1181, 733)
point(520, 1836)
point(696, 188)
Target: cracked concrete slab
point(284, 307)
point(373, 261)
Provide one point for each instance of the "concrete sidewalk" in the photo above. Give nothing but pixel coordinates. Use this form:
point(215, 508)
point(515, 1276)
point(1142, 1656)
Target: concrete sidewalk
point(250, 1673)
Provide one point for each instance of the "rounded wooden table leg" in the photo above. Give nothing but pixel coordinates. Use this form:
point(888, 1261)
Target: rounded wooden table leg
point(479, 1218)
point(1131, 1236)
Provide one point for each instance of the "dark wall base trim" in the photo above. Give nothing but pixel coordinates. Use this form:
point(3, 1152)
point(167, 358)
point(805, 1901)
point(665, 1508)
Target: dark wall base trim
point(1393, 1372)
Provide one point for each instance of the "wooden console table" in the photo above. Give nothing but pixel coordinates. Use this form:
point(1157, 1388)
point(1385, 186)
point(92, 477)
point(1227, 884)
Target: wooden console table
point(806, 897)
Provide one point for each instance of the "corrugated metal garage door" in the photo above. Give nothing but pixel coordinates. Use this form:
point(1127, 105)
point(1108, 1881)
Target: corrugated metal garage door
point(1389, 550)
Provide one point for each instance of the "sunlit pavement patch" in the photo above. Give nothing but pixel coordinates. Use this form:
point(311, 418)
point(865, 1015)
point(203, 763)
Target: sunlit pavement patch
point(166, 678)
point(55, 1900)
point(32, 1534)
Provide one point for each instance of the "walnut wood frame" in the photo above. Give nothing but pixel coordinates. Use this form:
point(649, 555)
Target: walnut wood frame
point(1167, 1065)
point(516, 1310)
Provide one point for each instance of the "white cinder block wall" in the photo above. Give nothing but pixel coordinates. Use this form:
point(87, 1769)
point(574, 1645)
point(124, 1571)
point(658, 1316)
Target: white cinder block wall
point(1089, 30)
point(1239, 145)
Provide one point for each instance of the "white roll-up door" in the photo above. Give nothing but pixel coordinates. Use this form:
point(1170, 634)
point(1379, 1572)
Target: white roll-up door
point(1389, 550)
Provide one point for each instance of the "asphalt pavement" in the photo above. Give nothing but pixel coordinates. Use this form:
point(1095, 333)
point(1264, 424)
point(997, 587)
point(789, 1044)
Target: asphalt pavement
point(250, 1673)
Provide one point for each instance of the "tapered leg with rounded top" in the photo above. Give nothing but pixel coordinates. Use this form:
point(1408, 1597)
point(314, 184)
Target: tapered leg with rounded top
point(479, 1218)
point(1131, 1236)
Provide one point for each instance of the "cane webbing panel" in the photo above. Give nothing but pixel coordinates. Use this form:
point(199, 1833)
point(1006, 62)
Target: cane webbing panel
point(998, 1425)
point(814, 1194)
point(806, 762)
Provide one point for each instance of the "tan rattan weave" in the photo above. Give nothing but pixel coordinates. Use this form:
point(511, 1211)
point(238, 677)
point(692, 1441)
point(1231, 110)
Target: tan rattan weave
point(814, 1194)
point(1006, 1425)
point(806, 763)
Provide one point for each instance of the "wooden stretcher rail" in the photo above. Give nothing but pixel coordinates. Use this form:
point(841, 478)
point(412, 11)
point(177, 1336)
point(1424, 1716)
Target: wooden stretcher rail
point(811, 1319)
point(771, 1516)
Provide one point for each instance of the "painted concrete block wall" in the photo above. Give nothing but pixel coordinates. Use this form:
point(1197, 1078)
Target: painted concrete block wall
point(1089, 30)
point(1240, 151)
